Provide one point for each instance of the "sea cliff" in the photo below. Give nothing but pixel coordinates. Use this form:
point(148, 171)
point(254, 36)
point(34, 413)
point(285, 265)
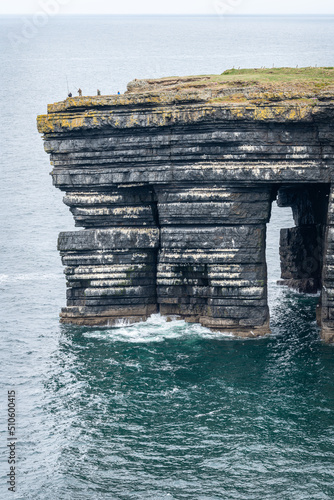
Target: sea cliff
point(173, 183)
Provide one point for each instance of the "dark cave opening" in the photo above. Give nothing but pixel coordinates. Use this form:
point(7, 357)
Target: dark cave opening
point(302, 246)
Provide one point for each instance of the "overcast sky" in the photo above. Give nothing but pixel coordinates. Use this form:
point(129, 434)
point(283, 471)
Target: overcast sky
point(168, 6)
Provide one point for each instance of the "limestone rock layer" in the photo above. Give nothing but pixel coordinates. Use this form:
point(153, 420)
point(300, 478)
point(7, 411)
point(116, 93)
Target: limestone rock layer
point(173, 189)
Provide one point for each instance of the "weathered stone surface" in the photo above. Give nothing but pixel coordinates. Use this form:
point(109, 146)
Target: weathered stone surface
point(301, 251)
point(122, 207)
point(102, 239)
point(173, 182)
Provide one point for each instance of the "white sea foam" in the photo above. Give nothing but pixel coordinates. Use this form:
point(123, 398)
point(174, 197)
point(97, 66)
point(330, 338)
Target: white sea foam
point(155, 329)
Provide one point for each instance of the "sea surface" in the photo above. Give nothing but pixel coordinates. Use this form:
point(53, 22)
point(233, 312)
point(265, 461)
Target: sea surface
point(157, 410)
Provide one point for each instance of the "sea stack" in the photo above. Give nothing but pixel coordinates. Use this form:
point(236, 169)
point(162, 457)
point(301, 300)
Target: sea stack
point(173, 182)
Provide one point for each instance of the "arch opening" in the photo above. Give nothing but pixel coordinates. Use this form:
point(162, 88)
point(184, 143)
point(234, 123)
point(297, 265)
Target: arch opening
point(301, 247)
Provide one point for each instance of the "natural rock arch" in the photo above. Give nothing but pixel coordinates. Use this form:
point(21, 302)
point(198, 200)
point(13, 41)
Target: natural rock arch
point(174, 185)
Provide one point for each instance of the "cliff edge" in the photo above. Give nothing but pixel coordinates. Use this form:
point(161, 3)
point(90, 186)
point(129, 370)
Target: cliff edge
point(173, 183)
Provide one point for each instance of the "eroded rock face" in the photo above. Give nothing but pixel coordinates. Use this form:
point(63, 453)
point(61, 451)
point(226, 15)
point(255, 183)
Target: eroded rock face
point(302, 247)
point(173, 187)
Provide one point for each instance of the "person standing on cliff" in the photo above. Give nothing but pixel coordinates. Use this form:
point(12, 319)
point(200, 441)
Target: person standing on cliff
point(98, 92)
point(80, 92)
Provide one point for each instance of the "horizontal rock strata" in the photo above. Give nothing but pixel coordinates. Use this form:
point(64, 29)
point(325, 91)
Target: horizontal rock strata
point(173, 187)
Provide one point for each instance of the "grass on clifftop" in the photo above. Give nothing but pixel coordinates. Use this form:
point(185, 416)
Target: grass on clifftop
point(284, 79)
point(296, 80)
point(322, 76)
point(307, 86)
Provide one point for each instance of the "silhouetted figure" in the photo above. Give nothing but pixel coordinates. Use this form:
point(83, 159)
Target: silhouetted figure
point(98, 92)
point(70, 94)
point(80, 92)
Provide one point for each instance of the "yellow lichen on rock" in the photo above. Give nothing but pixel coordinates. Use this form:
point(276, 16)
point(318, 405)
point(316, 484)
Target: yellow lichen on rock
point(258, 95)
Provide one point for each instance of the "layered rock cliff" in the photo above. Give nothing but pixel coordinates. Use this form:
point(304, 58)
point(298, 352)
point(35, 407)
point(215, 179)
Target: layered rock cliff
point(173, 184)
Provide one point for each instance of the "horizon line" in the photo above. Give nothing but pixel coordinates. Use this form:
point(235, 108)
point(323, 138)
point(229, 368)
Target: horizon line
point(174, 14)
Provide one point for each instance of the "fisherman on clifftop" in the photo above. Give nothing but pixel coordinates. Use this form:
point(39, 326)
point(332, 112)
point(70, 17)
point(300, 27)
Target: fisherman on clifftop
point(80, 92)
point(98, 92)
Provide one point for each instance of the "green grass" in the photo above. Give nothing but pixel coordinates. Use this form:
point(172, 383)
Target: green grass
point(323, 75)
point(257, 85)
point(294, 79)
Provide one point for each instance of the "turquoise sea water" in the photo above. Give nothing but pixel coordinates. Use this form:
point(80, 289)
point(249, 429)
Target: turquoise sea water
point(157, 410)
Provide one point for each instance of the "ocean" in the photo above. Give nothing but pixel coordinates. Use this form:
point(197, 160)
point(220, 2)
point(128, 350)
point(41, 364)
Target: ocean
point(158, 410)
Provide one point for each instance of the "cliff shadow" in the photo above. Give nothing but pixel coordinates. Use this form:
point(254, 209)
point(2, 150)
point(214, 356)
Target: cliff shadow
point(295, 255)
